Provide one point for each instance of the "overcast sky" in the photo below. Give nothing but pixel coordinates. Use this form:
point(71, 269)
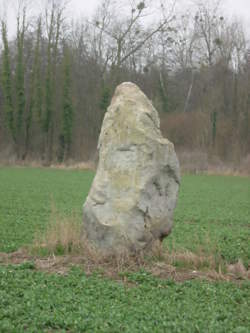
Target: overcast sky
point(232, 8)
point(238, 8)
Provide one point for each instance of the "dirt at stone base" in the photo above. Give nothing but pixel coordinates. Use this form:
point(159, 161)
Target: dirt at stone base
point(112, 267)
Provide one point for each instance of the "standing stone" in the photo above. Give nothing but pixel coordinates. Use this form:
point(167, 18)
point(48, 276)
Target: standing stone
point(134, 193)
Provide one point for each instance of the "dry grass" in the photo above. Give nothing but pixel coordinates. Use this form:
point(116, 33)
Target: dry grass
point(65, 236)
point(205, 257)
point(112, 266)
point(69, 165)
point(191, 161)
point(63, 244)
point(72, 165)
point(189, 259)
point(238, 270)
point(199, 162)
point(62, 235)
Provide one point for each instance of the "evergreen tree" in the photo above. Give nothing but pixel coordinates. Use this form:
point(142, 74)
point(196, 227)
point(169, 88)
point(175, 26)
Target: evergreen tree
point(105, 99)
point(48, 80)
point(20, 94)
point(57, 10)
point(214, 127)
point(67, 115)
point(163, 93)
point(7, 85)
point(35, 89)
point(37, 79)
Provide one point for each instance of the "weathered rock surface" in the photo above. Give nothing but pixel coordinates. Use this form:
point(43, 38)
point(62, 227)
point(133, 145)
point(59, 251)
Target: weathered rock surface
point(134, 193)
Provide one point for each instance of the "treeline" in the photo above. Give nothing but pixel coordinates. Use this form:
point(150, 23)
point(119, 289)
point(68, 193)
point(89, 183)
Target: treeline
point(58, 76)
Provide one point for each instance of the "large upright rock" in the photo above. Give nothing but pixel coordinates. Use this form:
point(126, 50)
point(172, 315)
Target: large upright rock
point(134, 193)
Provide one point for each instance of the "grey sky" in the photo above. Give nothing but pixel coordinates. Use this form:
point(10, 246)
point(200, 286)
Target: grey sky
point(232, 8)
point(238, 8)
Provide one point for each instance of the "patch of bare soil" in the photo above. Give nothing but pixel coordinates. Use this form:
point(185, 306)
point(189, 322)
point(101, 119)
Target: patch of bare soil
point(70, 165)
point(112, 267)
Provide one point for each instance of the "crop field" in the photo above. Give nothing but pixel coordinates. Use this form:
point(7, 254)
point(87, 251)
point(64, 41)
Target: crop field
point(212, 218)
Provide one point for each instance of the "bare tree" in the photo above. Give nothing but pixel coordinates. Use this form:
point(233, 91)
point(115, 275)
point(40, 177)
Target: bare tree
point(126, 36)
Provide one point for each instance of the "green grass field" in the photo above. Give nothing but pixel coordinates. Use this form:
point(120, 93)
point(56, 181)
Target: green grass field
point(212, 216)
